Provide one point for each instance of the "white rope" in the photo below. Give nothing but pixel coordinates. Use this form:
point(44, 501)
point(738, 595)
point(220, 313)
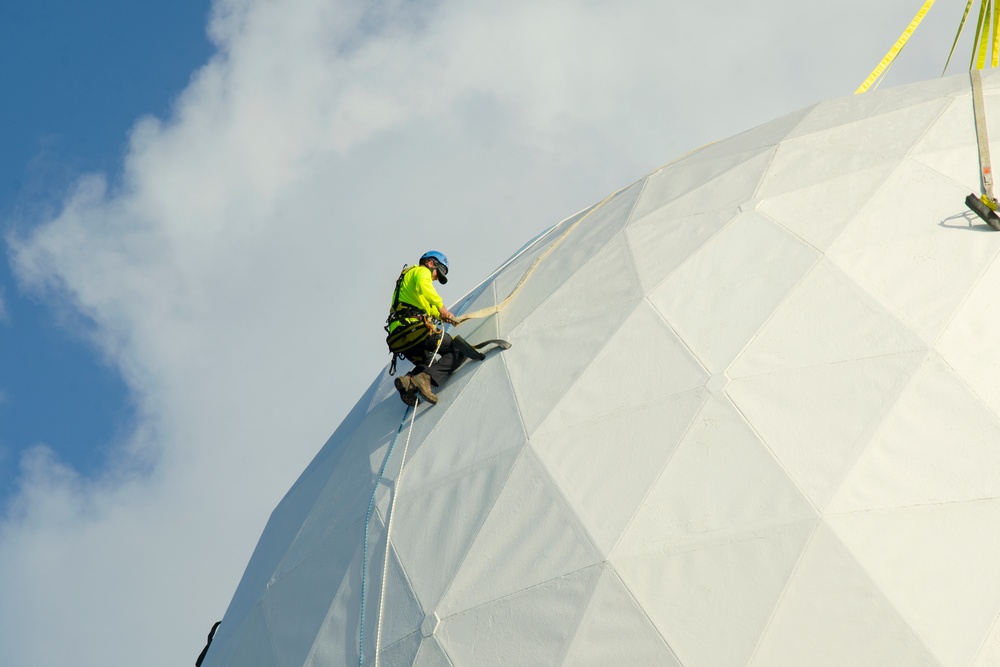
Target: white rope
point(388, 531)
point(392, 511)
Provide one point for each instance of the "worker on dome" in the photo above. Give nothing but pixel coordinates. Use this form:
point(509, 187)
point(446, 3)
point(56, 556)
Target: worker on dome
point(414, 334)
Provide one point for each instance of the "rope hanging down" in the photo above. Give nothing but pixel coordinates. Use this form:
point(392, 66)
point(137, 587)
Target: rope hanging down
point(388, 533)
point(388, 528)
point(364, 554)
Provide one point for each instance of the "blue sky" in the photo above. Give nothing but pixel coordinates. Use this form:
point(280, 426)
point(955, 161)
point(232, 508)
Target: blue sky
point(74, 77)
point(225, 219)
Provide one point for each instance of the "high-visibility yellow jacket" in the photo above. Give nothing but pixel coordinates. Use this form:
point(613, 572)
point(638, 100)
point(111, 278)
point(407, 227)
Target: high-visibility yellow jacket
point(417, 290)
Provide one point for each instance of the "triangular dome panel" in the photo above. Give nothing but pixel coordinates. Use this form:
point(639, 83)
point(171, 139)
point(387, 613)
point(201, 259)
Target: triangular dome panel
point(310, 589)
point(535, 626)
point(952, 592)
point(442, 521)
point(833, 419)
point(938, 444)
point(619, 457)
point(615, 630)
point(251, 644)
point(749, 142)
point(542, 366)
point(832, 614)
point(968, 343)
point(718, 589)
point(512, 554)
point(642, 362)
point(827, 319)
point(820, 212)
point(849, 147)
point(431, 655)
point(719, 181)
point(573, 301)
point(723, 294)
point(922, 280)
point(593, 231)
point(406, 651)
point(720, 483)
point(659, 243)
point(989, 652)
point(465, 422)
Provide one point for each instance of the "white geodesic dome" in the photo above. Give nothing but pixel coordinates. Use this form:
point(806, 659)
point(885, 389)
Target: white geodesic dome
point(750, 417)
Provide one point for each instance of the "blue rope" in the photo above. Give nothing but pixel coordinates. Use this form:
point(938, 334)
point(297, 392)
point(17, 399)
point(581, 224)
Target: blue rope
point(364, 558)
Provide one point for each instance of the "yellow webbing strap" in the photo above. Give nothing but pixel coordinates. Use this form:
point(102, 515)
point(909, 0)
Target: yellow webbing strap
point(961, 26)
point(996, 32)
point(982, 37)
point(975, 40)
point(896, 48)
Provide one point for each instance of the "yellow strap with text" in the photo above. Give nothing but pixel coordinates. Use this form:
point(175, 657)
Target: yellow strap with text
point(896, 48)
point(996, 42)
point(982, 37)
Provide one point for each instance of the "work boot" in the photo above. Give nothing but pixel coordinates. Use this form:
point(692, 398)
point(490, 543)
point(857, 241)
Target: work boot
point(407, 393)
point(422, 383)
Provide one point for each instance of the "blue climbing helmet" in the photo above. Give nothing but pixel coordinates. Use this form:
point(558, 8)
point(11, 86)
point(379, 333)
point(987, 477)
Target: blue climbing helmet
point(440, 261)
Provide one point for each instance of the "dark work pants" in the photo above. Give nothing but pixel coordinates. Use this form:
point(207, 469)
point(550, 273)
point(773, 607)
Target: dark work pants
point(439, 371)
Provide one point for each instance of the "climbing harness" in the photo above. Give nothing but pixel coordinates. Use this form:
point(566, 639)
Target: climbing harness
point(415, 326)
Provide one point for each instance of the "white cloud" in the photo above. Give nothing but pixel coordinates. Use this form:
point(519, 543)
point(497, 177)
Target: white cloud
point(240, 273)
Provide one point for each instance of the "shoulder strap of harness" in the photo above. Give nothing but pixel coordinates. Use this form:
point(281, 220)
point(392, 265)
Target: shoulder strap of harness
point(399, 284)
point(401, 309)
